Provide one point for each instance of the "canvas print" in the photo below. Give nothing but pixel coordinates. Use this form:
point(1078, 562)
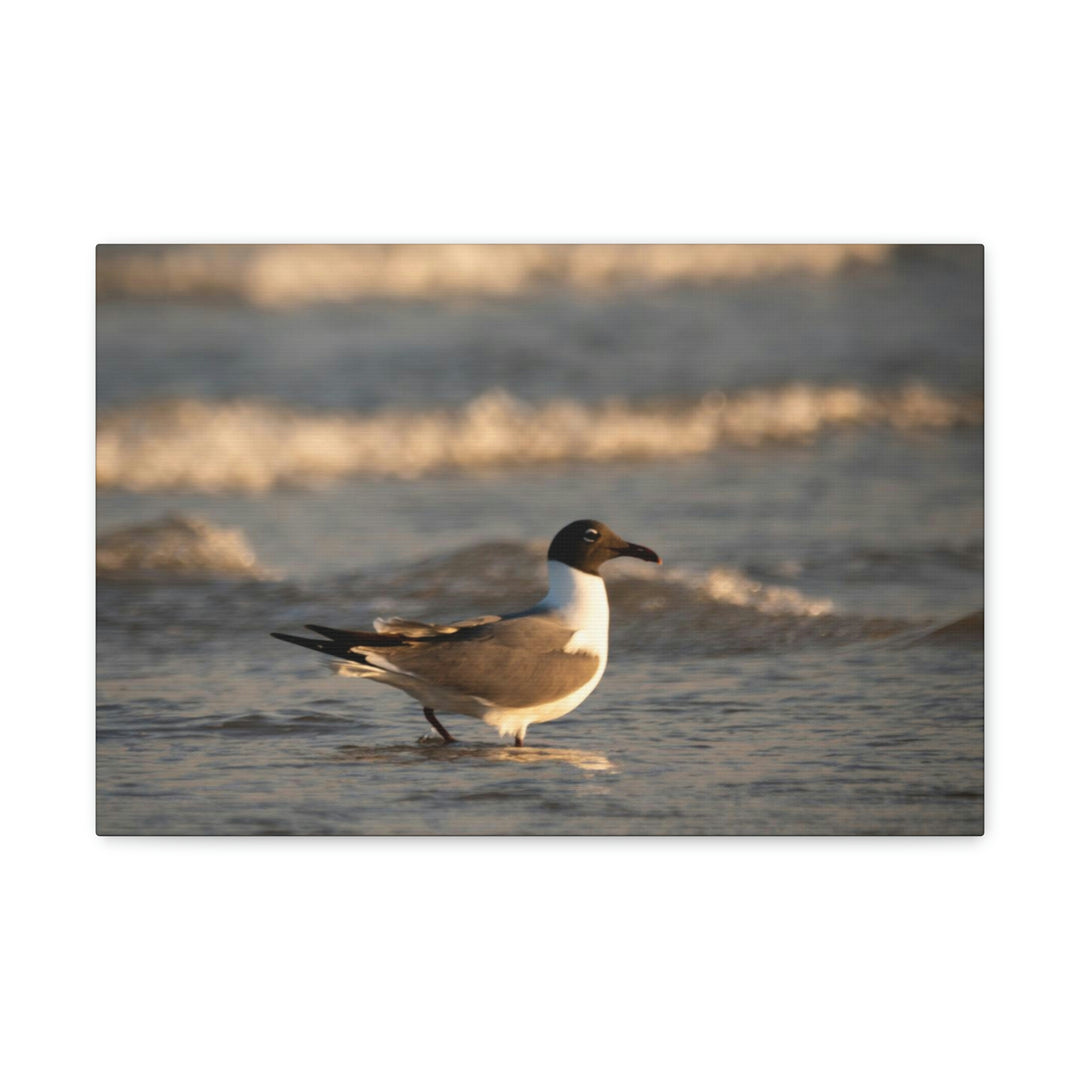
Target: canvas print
point(523, 539)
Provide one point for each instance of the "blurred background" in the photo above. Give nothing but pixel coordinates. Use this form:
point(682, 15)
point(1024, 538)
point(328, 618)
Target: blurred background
point(294, 433)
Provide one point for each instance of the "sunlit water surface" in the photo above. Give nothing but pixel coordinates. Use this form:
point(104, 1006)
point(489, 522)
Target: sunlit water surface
point(774, 676)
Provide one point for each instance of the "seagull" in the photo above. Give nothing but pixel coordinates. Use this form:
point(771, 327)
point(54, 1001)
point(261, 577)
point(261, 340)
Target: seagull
point(509, 670)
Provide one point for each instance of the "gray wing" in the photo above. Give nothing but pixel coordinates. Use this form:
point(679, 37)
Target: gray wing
point(411, 628)
point(515, 662)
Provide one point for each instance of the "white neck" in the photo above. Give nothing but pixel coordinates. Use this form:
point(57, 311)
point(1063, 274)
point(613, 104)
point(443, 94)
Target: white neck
point(580, 600)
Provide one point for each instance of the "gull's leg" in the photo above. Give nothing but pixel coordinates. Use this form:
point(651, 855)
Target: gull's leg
point(518, 740)
point(433, 721)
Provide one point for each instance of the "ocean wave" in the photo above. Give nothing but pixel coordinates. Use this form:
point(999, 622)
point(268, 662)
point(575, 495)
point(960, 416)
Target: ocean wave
point(702, 611)
point(472, 575)
point(178, 546)
point(284, 275)
point(705, 611)
point(253, 446)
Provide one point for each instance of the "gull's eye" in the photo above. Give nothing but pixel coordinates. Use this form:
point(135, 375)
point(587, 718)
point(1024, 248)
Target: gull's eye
point(591, 536)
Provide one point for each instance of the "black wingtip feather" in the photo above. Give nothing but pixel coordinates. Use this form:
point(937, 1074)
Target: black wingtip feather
point(330, 647)
point(342, 650)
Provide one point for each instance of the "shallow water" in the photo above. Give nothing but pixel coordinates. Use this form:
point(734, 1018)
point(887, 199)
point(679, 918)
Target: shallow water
point(775, 676)
point(788, 691)
point(861, 739)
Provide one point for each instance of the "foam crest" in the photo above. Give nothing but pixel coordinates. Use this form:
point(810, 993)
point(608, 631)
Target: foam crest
point(285, 275)
point(733, 587)
point(253, 446)
point(177, 545)
point(723, 585)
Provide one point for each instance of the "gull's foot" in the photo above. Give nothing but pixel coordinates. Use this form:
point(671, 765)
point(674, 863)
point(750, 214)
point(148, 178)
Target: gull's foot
point(433, 720)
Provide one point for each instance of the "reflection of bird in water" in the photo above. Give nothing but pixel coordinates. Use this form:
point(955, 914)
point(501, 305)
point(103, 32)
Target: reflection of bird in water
point(527, 755)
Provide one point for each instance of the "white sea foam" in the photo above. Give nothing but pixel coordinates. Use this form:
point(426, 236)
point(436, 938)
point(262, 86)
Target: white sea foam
point(283, 275)
point(177, 545)
point(724, 585)
point(734, 587)
point(253, 446)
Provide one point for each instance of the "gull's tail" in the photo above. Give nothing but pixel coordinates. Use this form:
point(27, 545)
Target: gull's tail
point(341, 643)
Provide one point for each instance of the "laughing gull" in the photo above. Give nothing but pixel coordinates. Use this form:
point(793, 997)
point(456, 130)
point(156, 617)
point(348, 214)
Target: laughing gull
point(509, 670)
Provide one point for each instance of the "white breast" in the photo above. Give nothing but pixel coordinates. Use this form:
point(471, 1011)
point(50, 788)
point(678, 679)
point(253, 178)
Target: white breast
point(581, 602)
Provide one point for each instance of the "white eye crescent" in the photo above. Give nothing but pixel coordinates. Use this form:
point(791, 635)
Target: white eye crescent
point(591, 536)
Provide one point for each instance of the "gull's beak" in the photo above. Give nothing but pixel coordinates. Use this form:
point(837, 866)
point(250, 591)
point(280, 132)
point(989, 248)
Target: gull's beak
point(636, 551)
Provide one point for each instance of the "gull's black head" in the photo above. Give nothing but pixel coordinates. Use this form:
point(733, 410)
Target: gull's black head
point(586, 545)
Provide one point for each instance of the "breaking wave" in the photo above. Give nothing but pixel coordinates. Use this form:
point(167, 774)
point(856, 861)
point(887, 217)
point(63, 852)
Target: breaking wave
point(709, 611)
point(285, 275)
point(482, 572)
point(703, 612)
point(177, 546)
point(252, 446)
